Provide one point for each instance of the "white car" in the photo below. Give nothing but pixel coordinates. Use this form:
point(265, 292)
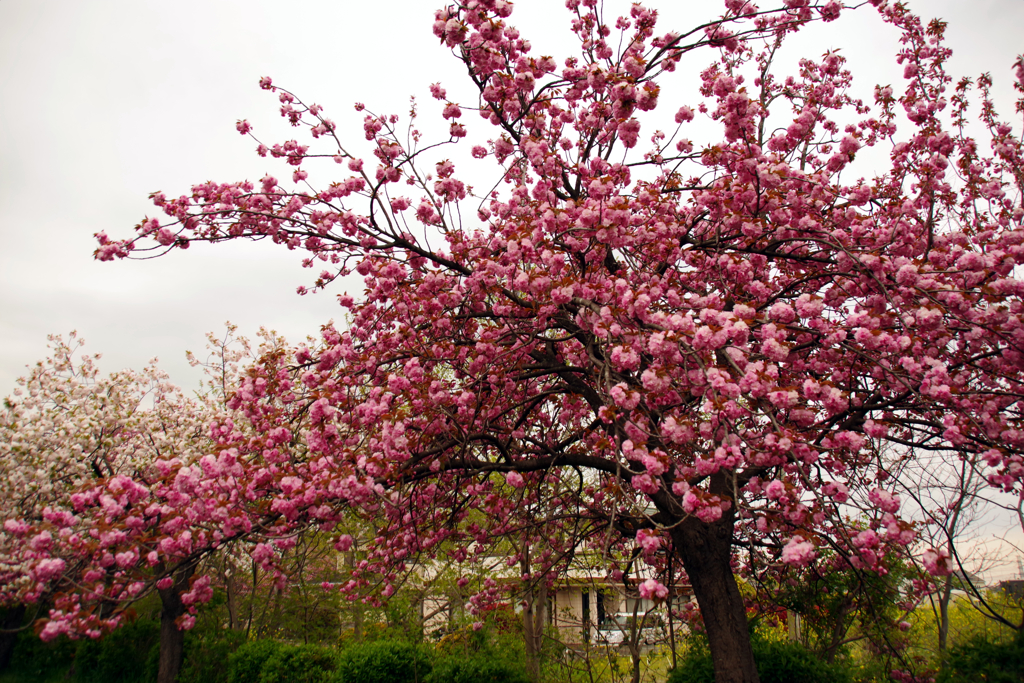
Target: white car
point(616, 629)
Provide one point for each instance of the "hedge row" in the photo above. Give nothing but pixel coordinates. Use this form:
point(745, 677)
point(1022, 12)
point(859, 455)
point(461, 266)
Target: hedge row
point(129, 655)
point(777, 662)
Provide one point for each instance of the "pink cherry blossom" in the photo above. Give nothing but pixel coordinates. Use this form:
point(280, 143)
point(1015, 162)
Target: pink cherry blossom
point(937, 562)
point(651, 589)
point(797, 551)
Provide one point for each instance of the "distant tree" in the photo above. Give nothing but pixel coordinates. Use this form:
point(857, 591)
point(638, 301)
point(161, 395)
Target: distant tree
point(75, 449)
point(840, 605)
point(116, 487)
point(950, 496)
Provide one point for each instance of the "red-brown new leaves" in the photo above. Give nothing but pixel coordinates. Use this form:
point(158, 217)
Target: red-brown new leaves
point(710, 344)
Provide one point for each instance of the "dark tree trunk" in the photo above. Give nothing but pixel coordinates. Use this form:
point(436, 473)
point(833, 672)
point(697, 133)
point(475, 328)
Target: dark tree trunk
point(839, 631)
point(231, 593)
point(944, 597)
point(635, 655)
point(533, 629)
point(534, 603)
point(357, 606)
point(705, 551)
point(671, 619)
point(252, 599)
point(632, 641)
point(10, 622)
point(172, 639)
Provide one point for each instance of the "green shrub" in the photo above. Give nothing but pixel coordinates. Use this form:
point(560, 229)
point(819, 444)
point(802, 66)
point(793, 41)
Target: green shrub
point(695, 667)
point(206, 652)
point(127, 655)
point(300, 664)
point(480, 667)
point(493, 652)
point(371, 631)
point(784, 662)
point(981, 660)
point(777, 662)
point(35, 660)
point(246, 664)
point(383, 661)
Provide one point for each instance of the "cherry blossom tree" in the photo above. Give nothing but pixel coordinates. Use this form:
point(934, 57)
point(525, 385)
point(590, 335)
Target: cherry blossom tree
point(706, 341)
point(75, 449)
point(114, 487)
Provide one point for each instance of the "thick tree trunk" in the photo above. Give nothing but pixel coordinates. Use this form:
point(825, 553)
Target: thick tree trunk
point(172, 639)
point(10, 622)
point(705, 551)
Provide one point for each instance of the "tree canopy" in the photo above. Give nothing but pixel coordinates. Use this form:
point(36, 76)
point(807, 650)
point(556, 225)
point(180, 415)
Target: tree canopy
point(692, 348)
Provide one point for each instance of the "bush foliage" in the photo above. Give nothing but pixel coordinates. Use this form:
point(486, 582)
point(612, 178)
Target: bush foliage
point(37, 661)
point(127, 655)
point(207, 651)
point(982, 660)
point(777, 662)
point(476, 667)
point(300, 664)
point(384, 661)
point(246, 664)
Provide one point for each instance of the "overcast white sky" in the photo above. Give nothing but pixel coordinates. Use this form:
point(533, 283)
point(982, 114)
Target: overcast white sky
point(103, 102)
